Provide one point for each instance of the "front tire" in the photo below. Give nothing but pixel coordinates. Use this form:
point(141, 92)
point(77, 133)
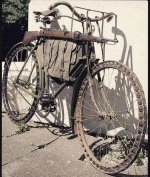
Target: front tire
point(111, 117)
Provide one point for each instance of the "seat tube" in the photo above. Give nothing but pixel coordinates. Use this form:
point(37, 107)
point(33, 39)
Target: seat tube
point(46, 77)
point(44, 80)
point(42, 84)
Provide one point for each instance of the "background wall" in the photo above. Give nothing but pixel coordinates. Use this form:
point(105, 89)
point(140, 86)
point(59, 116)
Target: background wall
point(132, 48)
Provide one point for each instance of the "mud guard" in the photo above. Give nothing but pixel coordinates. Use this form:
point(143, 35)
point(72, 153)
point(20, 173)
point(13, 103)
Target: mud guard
point(76, 89)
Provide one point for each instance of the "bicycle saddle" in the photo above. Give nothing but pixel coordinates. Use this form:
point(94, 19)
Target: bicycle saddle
point(52, 12)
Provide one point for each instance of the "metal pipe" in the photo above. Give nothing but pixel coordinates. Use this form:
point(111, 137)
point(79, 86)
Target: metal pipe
point(22, 88)
point(59, 90)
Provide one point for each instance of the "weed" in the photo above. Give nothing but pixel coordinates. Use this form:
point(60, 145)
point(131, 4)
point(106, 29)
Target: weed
point(22, 128)
point(142, 155)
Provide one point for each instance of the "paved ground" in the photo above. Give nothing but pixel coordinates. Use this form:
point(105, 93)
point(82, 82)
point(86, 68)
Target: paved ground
point(62, 156)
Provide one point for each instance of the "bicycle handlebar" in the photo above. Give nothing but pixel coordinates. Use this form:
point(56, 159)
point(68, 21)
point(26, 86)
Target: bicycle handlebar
point(77, 14)
point(66, 4)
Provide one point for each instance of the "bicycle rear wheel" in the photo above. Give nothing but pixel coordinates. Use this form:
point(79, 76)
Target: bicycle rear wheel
point(18, 91)
point(111, 117)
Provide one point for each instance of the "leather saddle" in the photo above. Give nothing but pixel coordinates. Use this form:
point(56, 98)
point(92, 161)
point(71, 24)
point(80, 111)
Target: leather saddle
point(52, 12)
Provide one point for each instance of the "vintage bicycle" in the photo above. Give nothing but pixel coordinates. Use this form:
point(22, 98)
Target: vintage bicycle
point(108, 108)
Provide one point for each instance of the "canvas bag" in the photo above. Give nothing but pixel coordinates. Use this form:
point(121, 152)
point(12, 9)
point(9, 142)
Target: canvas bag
point(58, 57)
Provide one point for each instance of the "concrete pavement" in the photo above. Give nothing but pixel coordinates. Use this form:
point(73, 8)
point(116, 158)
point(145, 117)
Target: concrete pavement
point(23, 155)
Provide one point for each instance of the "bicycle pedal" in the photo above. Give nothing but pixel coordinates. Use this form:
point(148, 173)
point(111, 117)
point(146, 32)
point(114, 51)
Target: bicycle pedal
point(53, 108)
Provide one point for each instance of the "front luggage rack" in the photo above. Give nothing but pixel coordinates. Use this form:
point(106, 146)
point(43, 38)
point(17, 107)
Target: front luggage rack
point(97, 25)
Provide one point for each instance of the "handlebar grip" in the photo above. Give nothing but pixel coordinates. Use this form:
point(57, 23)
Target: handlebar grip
point(109, 18)
point(66, 4)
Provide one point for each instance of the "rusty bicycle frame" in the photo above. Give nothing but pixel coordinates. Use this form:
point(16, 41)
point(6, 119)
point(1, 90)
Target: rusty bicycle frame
point(70, 35)
point(85, 37)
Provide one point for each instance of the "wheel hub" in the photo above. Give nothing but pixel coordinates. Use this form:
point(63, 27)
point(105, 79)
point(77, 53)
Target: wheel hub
point(107, 116)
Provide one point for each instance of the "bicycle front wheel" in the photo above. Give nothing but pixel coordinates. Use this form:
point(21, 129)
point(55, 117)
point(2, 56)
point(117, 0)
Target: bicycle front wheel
point(111, 117)
point(20, 84)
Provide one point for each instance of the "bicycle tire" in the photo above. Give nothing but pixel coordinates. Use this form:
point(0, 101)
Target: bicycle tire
point(91, 137)
point(13, 98)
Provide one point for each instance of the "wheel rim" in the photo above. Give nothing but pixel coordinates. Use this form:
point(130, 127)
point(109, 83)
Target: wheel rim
point(98, 125)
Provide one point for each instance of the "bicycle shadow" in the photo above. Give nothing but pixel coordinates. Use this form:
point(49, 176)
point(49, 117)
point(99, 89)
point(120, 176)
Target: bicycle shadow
point(121, 91)
point(123, 87)
point(121, 96)
point(64, 99)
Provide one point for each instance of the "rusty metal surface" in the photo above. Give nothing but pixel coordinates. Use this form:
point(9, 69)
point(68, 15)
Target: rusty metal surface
point(30, 36)
point(64, 35)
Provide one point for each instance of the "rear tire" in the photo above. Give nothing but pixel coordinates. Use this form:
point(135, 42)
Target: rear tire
point(20, 105)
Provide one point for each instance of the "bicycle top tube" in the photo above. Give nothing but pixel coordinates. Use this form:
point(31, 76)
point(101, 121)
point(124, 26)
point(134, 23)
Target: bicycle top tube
point(64, 35)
